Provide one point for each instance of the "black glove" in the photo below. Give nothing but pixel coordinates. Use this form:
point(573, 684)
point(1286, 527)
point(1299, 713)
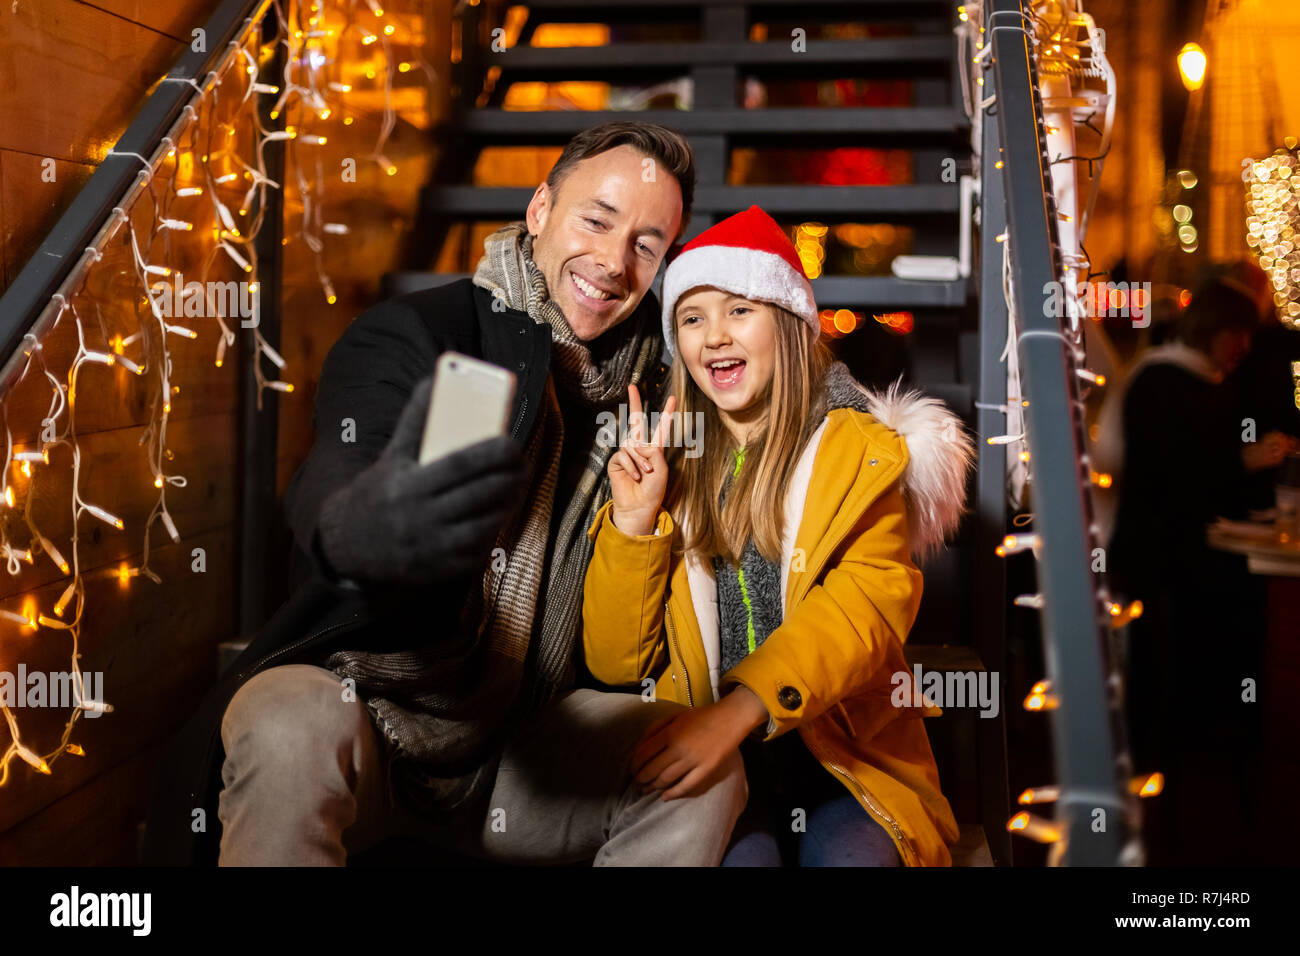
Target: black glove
point(403, 523)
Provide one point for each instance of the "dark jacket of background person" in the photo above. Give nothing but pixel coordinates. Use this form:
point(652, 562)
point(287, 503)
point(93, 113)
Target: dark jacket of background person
point(1182, 468)
point(1201, 630)
point(386, 351)
point(1182, 446)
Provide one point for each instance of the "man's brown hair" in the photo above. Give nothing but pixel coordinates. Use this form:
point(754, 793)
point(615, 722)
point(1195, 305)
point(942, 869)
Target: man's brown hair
point(670, 150)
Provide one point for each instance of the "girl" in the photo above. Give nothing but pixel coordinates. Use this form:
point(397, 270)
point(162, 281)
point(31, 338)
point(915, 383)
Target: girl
point(767, 582)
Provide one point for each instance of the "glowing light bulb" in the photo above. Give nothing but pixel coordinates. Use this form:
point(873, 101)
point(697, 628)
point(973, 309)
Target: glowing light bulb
point(1191, 64)
point(48, 547)
point(103, 515)
point(37, 762)
point(1039, 795)
point(1148, 786)
point(67, 596)
point(1033, 827)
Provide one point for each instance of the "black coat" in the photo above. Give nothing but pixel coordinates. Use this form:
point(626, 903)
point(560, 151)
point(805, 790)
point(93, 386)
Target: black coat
point(368, 376)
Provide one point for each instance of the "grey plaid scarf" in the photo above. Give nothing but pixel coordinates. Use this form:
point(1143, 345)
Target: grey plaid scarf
point(591, 378)
point(442, 707)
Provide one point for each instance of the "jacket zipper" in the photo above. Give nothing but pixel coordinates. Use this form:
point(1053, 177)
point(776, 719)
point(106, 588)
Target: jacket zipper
point(900, 836)
point(672, 641)
point(523, 406)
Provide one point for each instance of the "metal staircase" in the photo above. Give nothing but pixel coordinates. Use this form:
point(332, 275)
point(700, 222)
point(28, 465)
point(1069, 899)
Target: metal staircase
point(732, 42)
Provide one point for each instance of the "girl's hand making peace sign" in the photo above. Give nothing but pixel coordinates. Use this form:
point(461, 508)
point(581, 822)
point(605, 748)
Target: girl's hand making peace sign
point(638, 471)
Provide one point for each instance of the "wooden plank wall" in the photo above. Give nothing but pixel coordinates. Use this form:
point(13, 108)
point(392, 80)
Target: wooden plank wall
point(72, 76)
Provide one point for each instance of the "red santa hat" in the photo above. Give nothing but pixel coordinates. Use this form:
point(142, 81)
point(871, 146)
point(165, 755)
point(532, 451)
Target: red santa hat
point(746, 254)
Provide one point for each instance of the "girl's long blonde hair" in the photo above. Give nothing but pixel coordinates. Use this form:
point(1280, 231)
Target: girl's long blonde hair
point(755, 505)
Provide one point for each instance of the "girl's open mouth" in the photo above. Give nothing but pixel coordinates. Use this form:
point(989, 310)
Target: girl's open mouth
point(726, 373)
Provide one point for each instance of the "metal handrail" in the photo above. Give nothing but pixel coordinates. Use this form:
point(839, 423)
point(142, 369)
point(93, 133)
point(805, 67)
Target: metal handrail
point(38, 295)
point(27, 307)
point(1088, 730)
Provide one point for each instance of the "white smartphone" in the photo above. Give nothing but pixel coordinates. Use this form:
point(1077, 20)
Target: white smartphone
point(471, 401)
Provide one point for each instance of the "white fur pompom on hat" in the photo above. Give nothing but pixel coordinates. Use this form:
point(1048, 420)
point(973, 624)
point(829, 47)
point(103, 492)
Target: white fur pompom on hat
point(746, 254)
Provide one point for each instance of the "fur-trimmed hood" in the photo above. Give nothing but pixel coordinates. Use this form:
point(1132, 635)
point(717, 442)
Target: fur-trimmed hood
point(940, 452)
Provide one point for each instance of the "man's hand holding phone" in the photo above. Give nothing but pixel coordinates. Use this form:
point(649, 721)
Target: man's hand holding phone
point(400, 522)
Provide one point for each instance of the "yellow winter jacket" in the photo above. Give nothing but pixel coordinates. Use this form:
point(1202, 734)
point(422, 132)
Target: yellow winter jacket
point(851, 595)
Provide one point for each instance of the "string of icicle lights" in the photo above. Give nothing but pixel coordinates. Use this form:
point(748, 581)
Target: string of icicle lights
point(196, 175)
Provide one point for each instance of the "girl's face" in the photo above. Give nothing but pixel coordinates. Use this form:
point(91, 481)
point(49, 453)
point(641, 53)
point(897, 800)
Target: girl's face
point(729, 346)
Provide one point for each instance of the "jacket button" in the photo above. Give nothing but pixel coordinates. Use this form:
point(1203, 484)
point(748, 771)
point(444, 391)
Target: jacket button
point(872, 462)
point(521, 331)
point(521, 366)
point(790, 698)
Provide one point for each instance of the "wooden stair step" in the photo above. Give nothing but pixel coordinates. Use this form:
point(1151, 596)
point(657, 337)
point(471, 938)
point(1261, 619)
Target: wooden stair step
point(535, 126)
point(866, 292)
point(496, 202)
point(535, 62)
point(943, 657)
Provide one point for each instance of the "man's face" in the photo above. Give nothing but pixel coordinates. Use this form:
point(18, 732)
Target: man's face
point(601, 236)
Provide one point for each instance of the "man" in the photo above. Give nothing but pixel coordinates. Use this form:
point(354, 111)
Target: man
point(423, 683)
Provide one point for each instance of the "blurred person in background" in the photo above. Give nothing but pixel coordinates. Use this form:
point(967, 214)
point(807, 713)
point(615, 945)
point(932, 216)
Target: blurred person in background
point(1263, 385)
point(1184, 461)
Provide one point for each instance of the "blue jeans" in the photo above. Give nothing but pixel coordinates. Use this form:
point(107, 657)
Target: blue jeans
point(787, 786)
